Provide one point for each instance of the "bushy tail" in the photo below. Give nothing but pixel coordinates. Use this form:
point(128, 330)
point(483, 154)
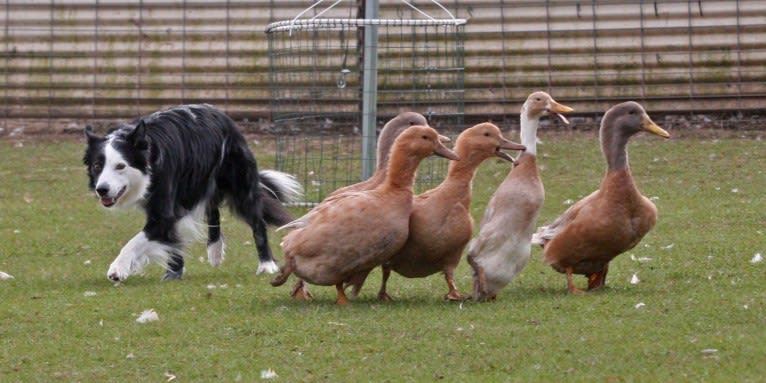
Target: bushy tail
point(278, 188)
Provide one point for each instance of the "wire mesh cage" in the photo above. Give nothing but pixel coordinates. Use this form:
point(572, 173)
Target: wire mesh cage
point(316, 69)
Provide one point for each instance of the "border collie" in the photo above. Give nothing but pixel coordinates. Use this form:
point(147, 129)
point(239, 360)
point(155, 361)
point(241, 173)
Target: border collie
point(180, 165)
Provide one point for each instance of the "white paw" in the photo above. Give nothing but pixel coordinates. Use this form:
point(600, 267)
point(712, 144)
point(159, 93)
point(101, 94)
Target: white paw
point(118, 272)
point(268, 267)
point(216, 252)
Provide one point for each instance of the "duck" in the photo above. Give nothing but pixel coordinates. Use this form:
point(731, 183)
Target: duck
point(391, 130)
point(612, 219)
point(503, 245)
point(441, 223)
point(354, 232)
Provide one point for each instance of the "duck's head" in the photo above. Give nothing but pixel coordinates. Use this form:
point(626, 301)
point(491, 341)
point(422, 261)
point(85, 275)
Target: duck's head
point(423, 141)
point(627, 119)
point(485, 140)
point(621, 122)
point(540, 104)
point(393, 129)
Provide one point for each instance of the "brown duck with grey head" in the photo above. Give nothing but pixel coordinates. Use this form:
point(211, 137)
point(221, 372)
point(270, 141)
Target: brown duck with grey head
point(611, 220)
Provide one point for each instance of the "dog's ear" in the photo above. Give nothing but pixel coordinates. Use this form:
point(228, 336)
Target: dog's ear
point(137, 137)
point(92, 137)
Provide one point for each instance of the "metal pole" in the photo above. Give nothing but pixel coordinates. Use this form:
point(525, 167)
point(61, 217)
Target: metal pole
point(369, 90)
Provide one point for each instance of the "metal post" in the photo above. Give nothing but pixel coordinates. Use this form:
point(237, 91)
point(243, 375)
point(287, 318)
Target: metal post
point(369, 91)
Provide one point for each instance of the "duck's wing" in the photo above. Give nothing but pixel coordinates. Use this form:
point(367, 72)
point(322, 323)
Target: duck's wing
point(304, 220)
point(546, 233)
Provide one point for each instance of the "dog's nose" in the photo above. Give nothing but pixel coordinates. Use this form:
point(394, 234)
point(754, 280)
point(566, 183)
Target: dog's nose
point(102, 190)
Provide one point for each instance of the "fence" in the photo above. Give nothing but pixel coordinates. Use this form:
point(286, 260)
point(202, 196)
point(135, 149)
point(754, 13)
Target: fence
point(66, 62)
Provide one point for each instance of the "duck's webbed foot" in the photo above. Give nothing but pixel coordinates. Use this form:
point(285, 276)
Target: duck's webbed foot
point(301, 291)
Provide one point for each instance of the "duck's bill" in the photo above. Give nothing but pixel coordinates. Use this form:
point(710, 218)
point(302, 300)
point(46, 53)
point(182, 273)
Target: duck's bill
point(444, 139)
point(649, 126)
point(501, 154)
point(557, 109)
point(442, 151)
point(510, 145)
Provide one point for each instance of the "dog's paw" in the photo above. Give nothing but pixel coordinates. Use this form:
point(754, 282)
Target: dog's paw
point(215, 252)
point(171, 275)
point(117, 272)
point(268, 267)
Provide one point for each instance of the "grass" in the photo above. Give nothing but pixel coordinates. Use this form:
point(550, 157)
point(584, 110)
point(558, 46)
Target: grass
point(699, 290)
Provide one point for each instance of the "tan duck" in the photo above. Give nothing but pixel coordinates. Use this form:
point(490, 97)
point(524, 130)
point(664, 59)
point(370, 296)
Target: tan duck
point(441, 223)
point(611, 220)
point(501, 249)
point(354, 232)
point(391, 130)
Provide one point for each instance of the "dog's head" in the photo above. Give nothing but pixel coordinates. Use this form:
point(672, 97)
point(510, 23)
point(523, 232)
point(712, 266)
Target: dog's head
point(118, 166)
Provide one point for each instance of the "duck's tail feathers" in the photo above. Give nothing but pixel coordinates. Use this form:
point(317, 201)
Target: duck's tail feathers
point(543, 235)
point(295, 224)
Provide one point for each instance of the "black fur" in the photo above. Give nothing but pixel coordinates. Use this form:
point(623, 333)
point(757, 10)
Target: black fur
point(193, 154)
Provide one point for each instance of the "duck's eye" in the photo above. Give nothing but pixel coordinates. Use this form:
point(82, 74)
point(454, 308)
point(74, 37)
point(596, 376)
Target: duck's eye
point(486, 134)
point(632, 112)
point(538, 99)
point(120, 166)
point(412, 123)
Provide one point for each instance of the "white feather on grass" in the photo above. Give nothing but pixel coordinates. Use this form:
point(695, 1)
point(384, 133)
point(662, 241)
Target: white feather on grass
point(5, 276)
point(268, 374)
point(757, 258)
point(148, 316)
point(634, 279)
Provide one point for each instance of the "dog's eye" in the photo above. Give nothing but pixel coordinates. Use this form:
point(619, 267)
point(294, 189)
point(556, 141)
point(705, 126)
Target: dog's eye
point(120, 166)
point(97, 168)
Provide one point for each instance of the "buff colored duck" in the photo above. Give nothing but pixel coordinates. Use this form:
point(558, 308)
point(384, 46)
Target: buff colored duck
point(441, 223)
point(611, 220)
point(354, 232)
point(391, 130)
point(501, 249)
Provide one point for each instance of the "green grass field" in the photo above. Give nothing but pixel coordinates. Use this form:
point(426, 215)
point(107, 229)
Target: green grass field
point(698, 313)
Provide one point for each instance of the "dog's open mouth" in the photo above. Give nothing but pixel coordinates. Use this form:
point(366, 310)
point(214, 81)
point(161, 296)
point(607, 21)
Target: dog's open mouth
point(110, 201)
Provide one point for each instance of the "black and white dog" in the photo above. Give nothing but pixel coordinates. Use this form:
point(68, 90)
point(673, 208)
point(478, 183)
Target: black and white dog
point(180, 165)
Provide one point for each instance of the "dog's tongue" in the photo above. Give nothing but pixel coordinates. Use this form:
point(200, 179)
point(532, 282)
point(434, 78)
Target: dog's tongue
point(108, 201)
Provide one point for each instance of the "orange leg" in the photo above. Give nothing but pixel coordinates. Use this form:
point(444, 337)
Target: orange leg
point(357, 281)
point(342, 299)
point(282, 278)
point(479, 280)
point(301, 292)
point(453, 294)
point(570, 283)
point(382, 294)
point(598, 280)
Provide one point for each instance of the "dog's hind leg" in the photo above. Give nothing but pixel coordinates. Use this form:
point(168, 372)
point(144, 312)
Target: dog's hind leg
point(265, 258)
point(239, 181)
point(175, 269)
point(215, 240)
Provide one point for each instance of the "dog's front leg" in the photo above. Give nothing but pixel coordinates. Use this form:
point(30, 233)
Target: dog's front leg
point(120, 268)
point(137, 253)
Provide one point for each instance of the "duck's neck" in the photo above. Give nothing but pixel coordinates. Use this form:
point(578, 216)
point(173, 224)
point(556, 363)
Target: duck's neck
point(458, 182)
point(614, 146)
point(465, 169)
point(401, 170)
point(529, 132)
